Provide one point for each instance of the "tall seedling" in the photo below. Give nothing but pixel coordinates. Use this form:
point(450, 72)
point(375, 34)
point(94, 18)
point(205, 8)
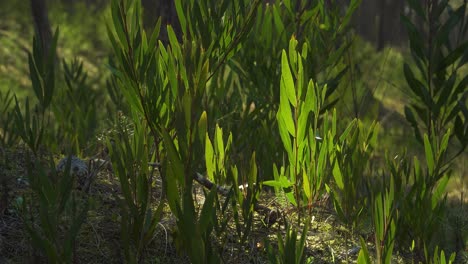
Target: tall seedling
point(290, 250)
point(30, 125)
point(424, 204)
point(438, 106)
point(350, 159)
point(139, 68)
point(139, 75)
point(301, 102)
point(76, 111)
point(207, 44)
point(258, 68)
point(61, 212)
point(437, 85)
point(129, 157)
point(245, 197)
point(167, 87)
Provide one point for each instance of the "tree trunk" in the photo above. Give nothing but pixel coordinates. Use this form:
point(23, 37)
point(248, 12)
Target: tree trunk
point(383, 25)
point(153, 9)
point(364, 20)
point(390, 30)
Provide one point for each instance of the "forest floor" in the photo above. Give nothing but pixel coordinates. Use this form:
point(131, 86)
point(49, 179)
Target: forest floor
point(328, 241)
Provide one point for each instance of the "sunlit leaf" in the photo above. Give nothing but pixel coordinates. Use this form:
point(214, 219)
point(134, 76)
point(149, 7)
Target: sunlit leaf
point(338, 176)
point(209, 158)
point(287, 82)
point(439, 191)
point(306, 184)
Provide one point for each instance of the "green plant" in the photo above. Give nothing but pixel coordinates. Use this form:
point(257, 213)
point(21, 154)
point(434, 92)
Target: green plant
point(165, 86)
point(71, 120)
point(351, 160)
point(61, 211)
point(193, 230)
point(129, 157)
point(438, 108)
point(438, 91)
point(387, 195)
point(439, 257)
point(363, 257)
point(76, 114)
point(8, 137)
point(217, 155)
point(299, 117)
point(30, 126)
point(423, 205)
point(245, 197)
point(320, 30)
point(290, 250)
point(42, 71)
point(384, 222)
point(205, 48)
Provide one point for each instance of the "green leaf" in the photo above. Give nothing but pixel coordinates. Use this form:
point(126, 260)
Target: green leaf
point(219, 143)
point(173, 156)
point(292, 53)
point(302, 125)
point(349, 12)
point(287, 4)
point(439, 191)
point(321, 164)
point(117, 14)
point(304, 51)
point(444, 143)
point(412, 120)
point(337, 206)
point(152, 44)
point(416, 45)
point(306, 185)
point(290, 197)
point(282, 182)
point(253, 172)
point(206, 215)
point(181, 16)
point(174, 43)
point(379, 217)
point(202, 126)
point(209, 158)
point(429, 154)
point(187, 109)
point(151, 225)
point(450, 24)
point(284, 134)
point(287, 82)
point(363, 257)
point(310, 103)
point(348, 129)
point(285, 114)
point(415, 85)
point(453, 56)
point(338, 176)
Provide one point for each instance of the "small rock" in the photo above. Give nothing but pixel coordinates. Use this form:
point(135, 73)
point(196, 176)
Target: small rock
point(78, 167)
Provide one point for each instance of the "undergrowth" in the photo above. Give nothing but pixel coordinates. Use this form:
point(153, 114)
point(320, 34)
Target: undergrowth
point(259, 133)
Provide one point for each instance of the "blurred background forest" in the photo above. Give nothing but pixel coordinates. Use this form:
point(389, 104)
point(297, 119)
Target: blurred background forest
point(366, 65)
point(375, 87)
